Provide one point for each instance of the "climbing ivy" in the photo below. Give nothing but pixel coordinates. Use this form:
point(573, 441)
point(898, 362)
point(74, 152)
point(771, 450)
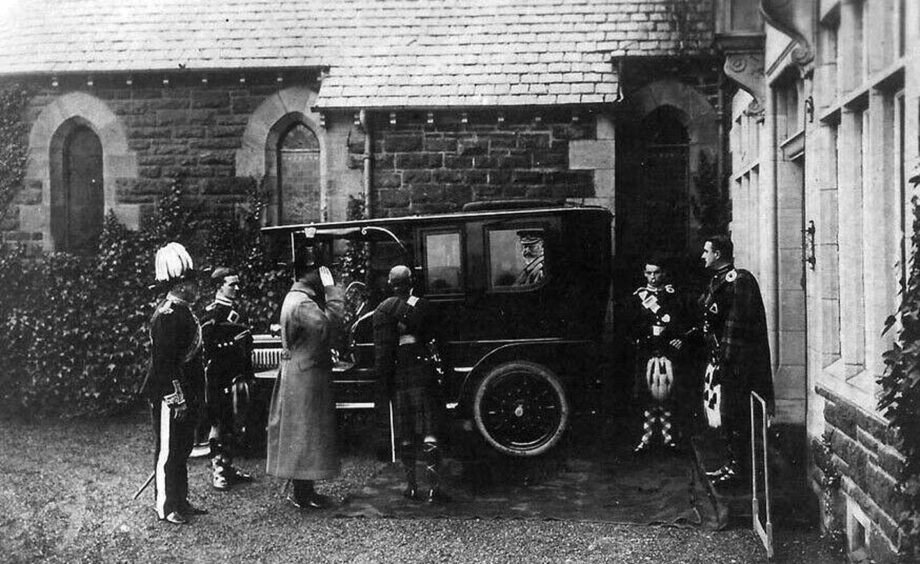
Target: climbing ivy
point(14, 149)
point(900, 399)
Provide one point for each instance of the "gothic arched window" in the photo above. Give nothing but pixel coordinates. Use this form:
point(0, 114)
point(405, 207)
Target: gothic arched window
point(298, 182)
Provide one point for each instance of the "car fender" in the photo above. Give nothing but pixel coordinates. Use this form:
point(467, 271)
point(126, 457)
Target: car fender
point(547, 353)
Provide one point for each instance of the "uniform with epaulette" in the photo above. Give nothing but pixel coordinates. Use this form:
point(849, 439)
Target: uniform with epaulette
point(657, 318)
point(738, 354)
point(174, 386)
point(405, 327)
point(228, 353)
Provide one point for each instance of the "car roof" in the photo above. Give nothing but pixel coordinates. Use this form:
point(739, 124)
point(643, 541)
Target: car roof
point(453, 217)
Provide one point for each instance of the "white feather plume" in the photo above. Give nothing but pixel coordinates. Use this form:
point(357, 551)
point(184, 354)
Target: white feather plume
point(172, 261)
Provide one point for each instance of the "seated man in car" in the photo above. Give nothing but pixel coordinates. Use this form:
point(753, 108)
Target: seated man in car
point(532, 252)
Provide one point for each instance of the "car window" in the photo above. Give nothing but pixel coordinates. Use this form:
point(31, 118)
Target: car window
point(442, 262)
point(516, 258)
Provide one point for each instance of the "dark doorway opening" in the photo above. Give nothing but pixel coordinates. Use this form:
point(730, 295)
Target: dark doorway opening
point(78, 200)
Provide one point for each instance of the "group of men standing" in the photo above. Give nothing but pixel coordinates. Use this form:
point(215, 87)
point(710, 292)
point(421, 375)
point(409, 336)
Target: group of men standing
point(197, 365)
point(728, 322)
point(207, 363)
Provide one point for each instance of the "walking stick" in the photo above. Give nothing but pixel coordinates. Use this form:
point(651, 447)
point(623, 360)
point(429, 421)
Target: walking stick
point(141, 489)
point(392, 436)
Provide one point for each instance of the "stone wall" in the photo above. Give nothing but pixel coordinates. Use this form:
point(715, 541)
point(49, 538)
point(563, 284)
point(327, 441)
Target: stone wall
point(862, 451)
point(191, 130)
point(436, 163)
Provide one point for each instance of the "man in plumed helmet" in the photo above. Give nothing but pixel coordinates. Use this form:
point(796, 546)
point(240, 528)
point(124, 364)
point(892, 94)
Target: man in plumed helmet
point(228, 370)
point(656, 328)
point(175, 382)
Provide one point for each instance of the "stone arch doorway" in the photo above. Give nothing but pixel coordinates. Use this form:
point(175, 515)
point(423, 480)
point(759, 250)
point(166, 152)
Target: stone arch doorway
point(654, 209)
point(77, 188)
point(667, 146)
point(47, 139)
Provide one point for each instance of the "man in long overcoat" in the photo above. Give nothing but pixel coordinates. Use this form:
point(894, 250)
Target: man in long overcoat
point(301, 423)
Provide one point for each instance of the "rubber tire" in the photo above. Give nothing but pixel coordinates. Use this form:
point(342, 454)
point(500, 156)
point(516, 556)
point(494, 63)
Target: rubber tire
point(541, 373)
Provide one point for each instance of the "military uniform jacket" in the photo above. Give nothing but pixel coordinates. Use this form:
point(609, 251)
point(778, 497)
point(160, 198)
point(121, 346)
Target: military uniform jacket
point(395, 318)
point(175, 351)
point(532, 273)
point(657, 316)
point(227, 344)
point(735, 331)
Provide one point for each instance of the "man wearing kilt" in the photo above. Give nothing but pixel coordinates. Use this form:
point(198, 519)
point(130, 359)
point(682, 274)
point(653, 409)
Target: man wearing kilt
point(228, 351)
point(404, 328)
point(735, 334)
point(175, 383)
point(656, 324)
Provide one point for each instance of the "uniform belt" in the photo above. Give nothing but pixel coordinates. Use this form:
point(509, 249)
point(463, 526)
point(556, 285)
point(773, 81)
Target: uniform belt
point(407, 340)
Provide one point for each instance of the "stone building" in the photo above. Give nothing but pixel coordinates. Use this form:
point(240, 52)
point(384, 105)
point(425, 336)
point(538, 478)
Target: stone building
point(413, 107)
point(822, 139)
point(422, 106)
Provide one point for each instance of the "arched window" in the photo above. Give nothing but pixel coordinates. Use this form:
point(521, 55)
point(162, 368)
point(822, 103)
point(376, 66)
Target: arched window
point(298, 182)
point(77, 194)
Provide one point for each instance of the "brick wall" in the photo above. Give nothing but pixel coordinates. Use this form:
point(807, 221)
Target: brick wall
point(863, 452)
point(422, 167)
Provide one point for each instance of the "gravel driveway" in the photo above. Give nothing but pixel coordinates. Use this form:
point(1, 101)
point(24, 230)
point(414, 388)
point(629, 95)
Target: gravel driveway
point(65, 496)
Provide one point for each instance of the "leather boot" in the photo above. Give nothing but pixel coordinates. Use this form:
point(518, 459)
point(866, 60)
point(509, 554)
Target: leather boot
point(407, 457)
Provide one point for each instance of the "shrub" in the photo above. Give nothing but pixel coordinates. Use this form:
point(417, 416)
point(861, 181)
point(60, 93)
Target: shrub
point(73, 330)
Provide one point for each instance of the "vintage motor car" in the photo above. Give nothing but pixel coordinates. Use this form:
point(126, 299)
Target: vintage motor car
point(523, 290)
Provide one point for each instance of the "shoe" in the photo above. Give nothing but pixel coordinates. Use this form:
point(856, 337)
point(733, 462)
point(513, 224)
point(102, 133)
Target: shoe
point(729, 477)
point(239, 477)
point(190, 509)
point(220, 483)
point(718, 472)
point(411, 493)
point(315, 501)
point(437, 497)
point(175, 518)
point(642, 448)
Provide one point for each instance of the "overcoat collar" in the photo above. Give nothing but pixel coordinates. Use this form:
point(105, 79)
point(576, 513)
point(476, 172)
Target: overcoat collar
point(299, 286)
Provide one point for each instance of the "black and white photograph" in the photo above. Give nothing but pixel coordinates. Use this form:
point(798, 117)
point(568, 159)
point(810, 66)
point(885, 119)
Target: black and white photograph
point(461, 281)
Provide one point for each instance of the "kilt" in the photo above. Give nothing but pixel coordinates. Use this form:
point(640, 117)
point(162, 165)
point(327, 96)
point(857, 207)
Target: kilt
point(417, 403)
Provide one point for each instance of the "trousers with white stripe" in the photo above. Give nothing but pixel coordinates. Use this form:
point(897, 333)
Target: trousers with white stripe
point(174, 442)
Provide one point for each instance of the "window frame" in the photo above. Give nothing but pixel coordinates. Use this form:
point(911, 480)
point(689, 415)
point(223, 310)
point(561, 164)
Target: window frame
point(423, 235)
point(487, 254)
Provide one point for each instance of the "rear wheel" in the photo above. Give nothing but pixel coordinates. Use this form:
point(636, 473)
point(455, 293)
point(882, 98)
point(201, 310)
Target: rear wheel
point(520, 408)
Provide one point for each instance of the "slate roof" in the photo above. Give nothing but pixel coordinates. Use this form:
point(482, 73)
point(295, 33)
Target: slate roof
point(380, 53)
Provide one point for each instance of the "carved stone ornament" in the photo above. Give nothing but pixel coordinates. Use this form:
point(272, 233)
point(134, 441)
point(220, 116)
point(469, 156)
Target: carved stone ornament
point(746, 69)
point(781, 14)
